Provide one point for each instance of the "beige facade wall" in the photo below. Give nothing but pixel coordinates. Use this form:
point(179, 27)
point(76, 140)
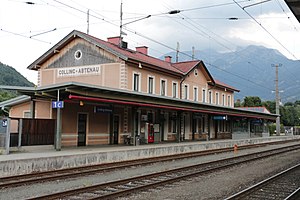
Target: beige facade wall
point(109, 76)
point(218, 93)
point(195, 79)
point(42, 110)
point(97, 130)
point(144, 75)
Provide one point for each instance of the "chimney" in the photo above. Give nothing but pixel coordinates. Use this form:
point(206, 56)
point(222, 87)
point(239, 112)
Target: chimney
point(142, 49)
point(168, 58)
point(114, 40)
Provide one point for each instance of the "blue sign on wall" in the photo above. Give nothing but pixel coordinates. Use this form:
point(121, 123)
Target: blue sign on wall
point(222, 117)
point(4, 123)
point(57, 104)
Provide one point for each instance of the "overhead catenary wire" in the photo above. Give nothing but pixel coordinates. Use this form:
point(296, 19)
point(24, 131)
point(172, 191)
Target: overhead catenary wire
point(160, 43)
point(141, 35)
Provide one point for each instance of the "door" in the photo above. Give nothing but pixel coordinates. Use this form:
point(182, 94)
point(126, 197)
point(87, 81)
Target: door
point(116, 130)
point(82, 125)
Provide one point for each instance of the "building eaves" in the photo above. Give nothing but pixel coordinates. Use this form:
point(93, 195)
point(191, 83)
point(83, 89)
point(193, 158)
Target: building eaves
point(14, 101)
point(35, 65)
point(224, 85)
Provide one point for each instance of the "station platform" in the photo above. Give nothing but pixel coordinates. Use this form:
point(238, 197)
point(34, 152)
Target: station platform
point(43, 158)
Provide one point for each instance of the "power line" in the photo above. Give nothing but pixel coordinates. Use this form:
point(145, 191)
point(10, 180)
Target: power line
point(21, 35)
point(171, 48)
point(266, 30)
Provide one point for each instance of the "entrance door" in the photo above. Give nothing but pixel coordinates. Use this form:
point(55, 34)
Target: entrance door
point(216, 129)
point(116, 130)
point(82, 119)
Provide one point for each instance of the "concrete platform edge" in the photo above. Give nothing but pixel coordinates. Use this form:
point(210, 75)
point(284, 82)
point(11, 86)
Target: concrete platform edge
point(60, 161)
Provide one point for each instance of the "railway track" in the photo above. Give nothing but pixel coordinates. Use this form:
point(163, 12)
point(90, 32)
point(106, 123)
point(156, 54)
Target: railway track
point(282, 186)
point(114, 189)
point(27, 179)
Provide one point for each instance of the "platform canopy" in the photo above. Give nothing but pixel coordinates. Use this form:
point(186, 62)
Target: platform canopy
point(76, 92)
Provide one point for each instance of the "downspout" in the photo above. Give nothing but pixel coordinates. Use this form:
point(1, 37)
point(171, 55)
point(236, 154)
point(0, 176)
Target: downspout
point(180, 86)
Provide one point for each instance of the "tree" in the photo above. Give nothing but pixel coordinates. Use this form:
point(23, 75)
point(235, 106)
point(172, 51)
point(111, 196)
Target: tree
point(252, 101)
point(270, 105)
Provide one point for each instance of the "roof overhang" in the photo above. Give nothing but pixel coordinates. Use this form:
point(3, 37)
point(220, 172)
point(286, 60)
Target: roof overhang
point(117, 96)
point(294, 6)
point(66, 40)
point(14, 101)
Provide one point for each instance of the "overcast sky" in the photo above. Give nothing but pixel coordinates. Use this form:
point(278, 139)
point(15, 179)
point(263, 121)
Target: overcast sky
point(27, 27)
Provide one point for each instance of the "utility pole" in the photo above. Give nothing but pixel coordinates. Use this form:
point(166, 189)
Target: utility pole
point(88, 21)
point(121, 21)
point(193, 53)
point(177, 51)
point(277, 99)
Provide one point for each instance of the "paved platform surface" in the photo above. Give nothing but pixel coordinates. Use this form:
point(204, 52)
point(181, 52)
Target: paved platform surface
point(43, 158)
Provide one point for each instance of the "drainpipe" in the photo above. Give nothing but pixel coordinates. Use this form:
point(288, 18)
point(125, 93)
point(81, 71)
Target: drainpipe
point(180, 87)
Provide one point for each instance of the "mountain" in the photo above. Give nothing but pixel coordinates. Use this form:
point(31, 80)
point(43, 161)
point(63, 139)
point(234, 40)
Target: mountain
point(251, 70)
point(9, 76)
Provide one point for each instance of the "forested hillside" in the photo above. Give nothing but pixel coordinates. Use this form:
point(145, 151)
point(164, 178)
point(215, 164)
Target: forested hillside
point(9, 76)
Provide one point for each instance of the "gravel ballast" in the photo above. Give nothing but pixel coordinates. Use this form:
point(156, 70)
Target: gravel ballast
point(211, 186)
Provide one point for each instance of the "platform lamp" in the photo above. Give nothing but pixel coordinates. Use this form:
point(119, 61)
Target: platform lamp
point(81, 103)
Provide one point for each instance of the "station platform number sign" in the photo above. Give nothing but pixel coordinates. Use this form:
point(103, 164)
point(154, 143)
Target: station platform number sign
point(57, 104)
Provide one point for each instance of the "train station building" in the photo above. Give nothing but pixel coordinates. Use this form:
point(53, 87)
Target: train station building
point(95, 92)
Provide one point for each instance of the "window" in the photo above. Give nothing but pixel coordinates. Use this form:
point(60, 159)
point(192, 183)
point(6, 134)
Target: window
point(150, 85)
point(195, 94)
point(186, 92)
point(203, 96)
point(174, 125)
point(196, 72)
point(136, 82)
point(163, 87)
point(174, 91)
point(217, 98)
point(223, 99)
point(27, 114)
point(209, 97)
point(78, 54)
point(229, 101)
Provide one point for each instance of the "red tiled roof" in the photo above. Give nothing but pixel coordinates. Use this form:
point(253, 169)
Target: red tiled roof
point(225, 85)
point(186, 66)
point(180, 68)
point(135, 55)
point(257, 109)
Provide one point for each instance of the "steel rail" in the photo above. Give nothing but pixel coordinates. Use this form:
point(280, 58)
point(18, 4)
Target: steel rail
point(122, 187)
point(26, 179)
point(262, 190)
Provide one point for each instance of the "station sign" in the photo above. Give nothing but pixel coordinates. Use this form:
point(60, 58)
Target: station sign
point(78, 71)
point(57, 104)
point(220, 117)
point(4, 123)
point(103, 109)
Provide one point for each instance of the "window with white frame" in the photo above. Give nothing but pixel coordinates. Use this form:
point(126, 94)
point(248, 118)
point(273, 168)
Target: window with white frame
point(195, 93)
point(27, 114)
point(203, 95)
point(136, 82)
point(163, 88)
point(223, 99)
point(217, 98)
point(174, 89)
point(229, 100)
point(209, 97)
point(150, 84)
point(186, 92)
